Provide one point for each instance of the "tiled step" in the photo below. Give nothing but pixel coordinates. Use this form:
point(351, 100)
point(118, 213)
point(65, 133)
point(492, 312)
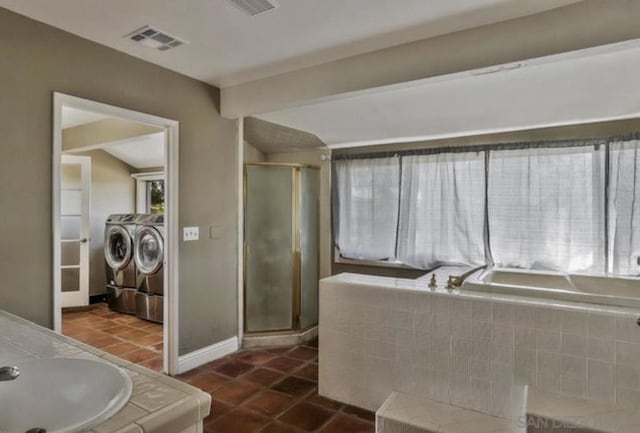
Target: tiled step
point(404, 413)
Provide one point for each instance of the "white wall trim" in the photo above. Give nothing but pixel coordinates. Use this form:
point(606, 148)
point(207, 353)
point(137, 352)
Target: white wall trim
point(207, 354)
point(172, 235)
point(240, 246)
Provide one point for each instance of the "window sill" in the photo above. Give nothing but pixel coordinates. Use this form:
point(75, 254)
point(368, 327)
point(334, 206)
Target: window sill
point(338, 258)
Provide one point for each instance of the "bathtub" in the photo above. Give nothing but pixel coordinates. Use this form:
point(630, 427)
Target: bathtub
point(618, 291)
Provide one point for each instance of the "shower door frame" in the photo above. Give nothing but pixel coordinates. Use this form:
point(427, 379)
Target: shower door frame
point(296, 297)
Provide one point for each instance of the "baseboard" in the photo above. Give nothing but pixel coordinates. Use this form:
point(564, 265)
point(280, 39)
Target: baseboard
point(207, 354)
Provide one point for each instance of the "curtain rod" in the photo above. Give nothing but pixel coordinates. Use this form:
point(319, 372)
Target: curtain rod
point(597, 141)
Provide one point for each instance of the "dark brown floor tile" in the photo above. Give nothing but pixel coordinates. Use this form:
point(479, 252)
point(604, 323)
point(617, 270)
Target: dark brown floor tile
point(278, 350)
point(139, 355)
point(312, 343)
point(218, 409)
point(256, 356)
point(235, 392)
point(324, 402)
point(279, 427)
point(268, 403)
point(294, 386)
point(117, 329)
point(120, 348)
point(238, 421)
point(233, 368)
point(309, 371)
point(263, 376)
point(207, 381)
point(304, 353)
point(360, 413)
point(348, 424)
point(284, 364)
point(155, 364)
point(306, 416)
point(133, 335)
point(101, 340)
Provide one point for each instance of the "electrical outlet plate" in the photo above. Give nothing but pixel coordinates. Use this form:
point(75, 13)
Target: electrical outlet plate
point(190, 233)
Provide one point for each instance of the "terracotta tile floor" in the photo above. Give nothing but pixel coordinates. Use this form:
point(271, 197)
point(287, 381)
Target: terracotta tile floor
point(122, 335)
point(273, 390)
point(265, 390)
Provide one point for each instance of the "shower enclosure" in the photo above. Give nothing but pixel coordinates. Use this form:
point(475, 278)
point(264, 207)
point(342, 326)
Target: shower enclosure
point(281, 248)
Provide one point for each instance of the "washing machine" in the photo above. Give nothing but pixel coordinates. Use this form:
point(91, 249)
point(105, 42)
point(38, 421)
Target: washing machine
point(121, 269)
point(149, 258)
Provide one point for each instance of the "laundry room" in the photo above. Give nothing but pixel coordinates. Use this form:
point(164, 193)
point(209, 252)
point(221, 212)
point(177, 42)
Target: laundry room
point(112, 249)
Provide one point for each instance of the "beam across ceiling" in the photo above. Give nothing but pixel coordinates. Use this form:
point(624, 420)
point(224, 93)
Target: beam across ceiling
point(582, 25)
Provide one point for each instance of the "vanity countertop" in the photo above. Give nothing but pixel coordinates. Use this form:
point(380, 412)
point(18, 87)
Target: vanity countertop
point(158, 404)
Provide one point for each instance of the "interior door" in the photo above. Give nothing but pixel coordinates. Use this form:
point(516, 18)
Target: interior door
point(75, 226)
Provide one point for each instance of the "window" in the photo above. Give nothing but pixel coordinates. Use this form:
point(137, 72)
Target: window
point(155, 196)
point(150, 192)
point(624, 208)
point(442, 210)
point(366, 199)
point(547, 206)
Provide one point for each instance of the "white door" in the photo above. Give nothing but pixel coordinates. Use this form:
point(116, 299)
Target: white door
point(75, 226)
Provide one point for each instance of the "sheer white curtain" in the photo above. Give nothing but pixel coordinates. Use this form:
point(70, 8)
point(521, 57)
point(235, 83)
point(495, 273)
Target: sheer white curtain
point(624, 207)
point(442, 209)
point(366, 206)
point(546, 208)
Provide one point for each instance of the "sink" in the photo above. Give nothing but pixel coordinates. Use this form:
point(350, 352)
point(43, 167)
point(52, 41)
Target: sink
point(62, 395)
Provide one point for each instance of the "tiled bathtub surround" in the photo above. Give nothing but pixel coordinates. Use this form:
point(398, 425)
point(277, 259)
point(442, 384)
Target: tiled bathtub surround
point(158, 404)
point(380, 335)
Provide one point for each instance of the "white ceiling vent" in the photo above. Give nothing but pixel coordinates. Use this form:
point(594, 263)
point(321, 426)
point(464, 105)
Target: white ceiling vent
point(154, 38)
point(254, 7)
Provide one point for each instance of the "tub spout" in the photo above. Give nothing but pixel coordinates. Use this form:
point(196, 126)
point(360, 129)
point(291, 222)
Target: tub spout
point(455, 281)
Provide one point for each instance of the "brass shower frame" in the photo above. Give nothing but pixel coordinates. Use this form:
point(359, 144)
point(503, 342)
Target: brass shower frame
point(296, 298)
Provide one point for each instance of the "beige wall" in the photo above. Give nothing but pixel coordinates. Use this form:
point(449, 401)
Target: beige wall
point(602, 129)
point(251, 154)
point(113, 190)
point(37, 60)
point(585, 24)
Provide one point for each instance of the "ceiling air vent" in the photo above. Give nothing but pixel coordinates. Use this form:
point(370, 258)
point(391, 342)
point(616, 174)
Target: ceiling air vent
point(154, 38)
point(254, 7)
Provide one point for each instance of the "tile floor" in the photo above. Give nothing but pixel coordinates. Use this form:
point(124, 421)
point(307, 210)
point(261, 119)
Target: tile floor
point(122, 335)
point(273, 390)
point(265, 390)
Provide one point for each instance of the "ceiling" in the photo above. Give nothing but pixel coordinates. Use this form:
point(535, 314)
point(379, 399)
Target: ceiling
point(564, 89)
point(73, 117)
point(272, 138)
point(145, 151)
point(227, 47)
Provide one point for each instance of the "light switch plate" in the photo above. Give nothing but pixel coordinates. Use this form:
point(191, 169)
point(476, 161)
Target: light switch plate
point(190, 233)
point(214, 231)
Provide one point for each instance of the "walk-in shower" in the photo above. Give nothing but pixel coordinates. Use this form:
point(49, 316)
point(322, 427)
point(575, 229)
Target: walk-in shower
point(281, 252)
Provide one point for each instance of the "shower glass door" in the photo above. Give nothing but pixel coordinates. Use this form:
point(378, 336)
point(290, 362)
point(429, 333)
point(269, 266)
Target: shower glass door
point(269, 248)
point(309, 245)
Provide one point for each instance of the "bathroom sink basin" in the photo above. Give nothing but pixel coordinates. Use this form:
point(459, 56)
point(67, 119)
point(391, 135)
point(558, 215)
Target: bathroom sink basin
point(61, 395)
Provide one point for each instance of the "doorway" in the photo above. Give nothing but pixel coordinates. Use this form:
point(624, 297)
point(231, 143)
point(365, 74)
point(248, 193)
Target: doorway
point(115, 173)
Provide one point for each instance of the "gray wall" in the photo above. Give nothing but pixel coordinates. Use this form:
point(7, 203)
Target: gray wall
point(113, 190)
point(37, 60)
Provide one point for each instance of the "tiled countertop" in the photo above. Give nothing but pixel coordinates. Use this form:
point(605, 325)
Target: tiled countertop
point(421, 285)
point(158, 404)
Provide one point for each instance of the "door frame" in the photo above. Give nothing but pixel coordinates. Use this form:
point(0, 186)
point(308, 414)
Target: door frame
point(171, 266)
point(85, 224)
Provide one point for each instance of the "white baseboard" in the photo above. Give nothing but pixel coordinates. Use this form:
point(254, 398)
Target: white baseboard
point(207, 354)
